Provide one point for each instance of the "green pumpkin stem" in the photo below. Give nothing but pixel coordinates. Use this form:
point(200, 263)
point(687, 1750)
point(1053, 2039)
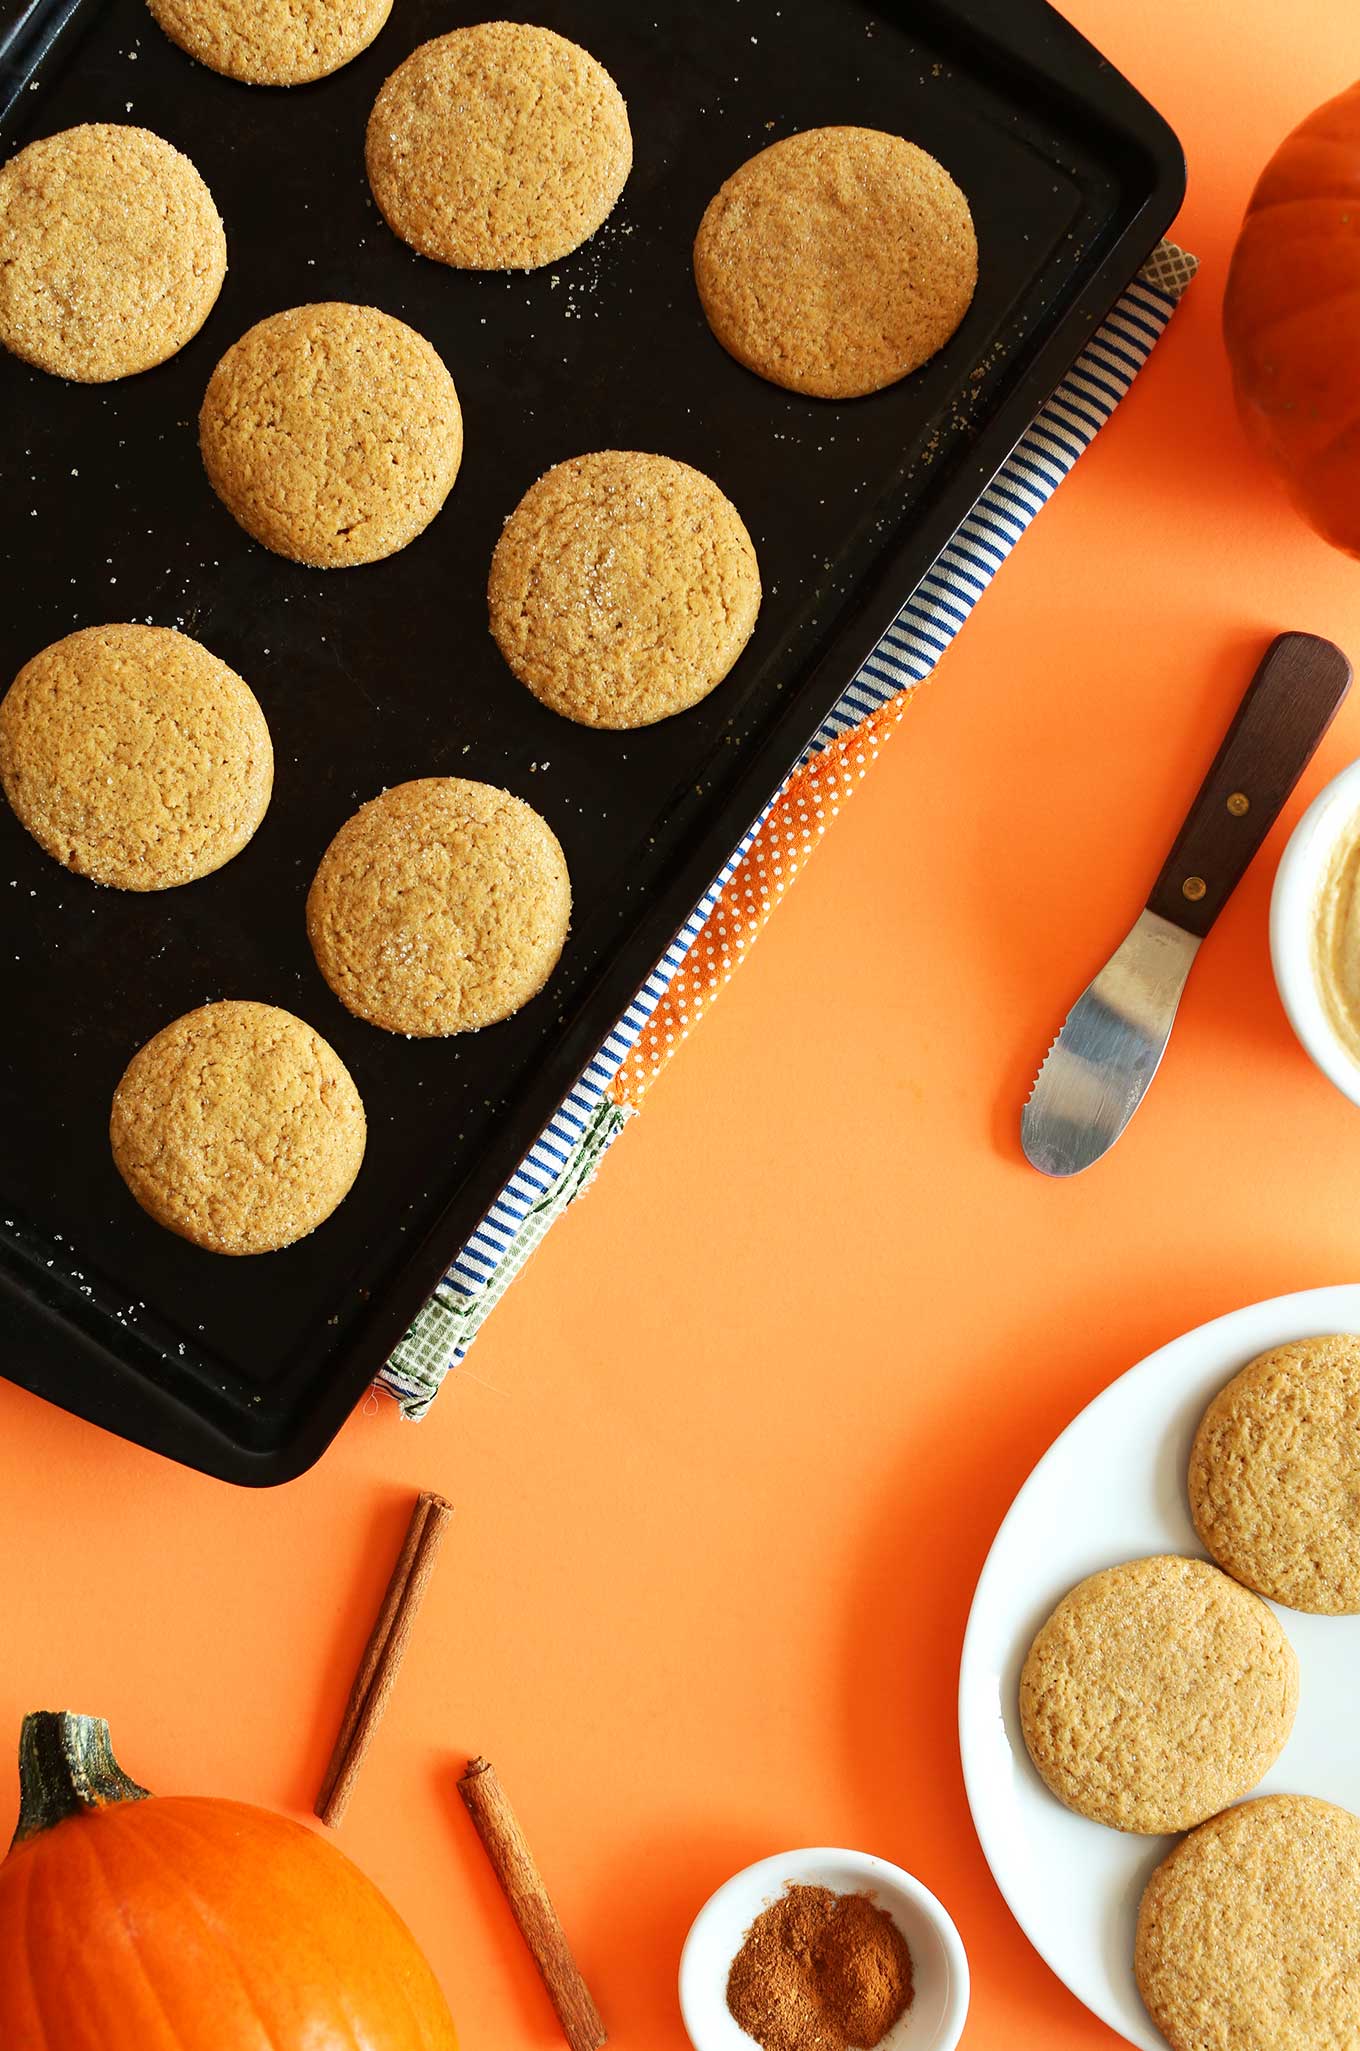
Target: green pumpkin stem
point(66, 1767)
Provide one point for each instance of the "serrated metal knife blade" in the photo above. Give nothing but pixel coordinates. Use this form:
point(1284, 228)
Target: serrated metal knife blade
point(1108, 1050)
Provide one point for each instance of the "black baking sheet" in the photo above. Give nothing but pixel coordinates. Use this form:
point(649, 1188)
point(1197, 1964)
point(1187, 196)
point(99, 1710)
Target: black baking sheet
point(370, 676)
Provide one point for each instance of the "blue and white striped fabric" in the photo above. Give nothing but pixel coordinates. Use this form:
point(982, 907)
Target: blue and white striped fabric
point(565, 1156)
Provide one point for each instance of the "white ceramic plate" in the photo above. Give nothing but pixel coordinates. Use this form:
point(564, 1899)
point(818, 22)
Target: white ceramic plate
point(1113, 1488)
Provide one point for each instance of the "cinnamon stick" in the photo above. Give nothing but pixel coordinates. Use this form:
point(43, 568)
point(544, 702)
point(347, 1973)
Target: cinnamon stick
point(522, 1883)
point(383, 1653)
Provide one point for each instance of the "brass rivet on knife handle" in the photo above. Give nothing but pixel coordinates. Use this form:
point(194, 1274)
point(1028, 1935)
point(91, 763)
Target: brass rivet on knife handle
point(1194, 888)
point(513, 1864)
point(1288, 706)
point(384, 1652)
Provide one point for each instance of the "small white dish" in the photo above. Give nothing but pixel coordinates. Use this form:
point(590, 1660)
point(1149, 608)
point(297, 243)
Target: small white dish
point(939, 2007)
point(1112, 1488)
point(1297, 882)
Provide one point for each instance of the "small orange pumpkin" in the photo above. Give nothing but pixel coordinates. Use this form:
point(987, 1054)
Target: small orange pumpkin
point(1291, 317)
point(135, 1923)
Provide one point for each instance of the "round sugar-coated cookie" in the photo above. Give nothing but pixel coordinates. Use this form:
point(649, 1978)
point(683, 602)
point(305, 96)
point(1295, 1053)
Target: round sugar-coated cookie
point(272, 42)
point(439, 907)
point(134, 756)
point(623, 588)
point(836, 261)
point(1156, 1693)
point(498, 147)
point(111, 252)
point(1249, 1932)
point(332, 432)
point(238, 1127)
point(1274, 1475)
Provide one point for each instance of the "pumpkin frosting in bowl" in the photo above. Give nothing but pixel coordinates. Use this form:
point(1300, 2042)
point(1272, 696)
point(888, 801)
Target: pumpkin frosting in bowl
point(1336, 938)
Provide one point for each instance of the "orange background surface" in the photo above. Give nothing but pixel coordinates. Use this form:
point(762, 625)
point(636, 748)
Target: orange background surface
point(729, 1458)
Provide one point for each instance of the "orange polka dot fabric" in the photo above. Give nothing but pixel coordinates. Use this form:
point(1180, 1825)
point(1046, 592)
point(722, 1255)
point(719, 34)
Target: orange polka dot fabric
point(786, 837)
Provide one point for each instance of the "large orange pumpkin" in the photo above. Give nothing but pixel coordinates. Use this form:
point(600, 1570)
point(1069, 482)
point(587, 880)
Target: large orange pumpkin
point(130, 1922)
point(1291, 317)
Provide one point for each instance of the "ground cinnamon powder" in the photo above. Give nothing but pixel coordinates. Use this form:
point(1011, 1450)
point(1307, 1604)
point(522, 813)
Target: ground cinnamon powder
point(820, 1971)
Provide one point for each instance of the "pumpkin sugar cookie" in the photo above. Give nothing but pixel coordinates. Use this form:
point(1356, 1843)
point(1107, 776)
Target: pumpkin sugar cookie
point(1249, 1932)
point(238, 1127)
point(332, 433)
point(1157, 1693)
point(836, 261)
point(440, 906)
point(133, 756)
point(623, 588)
point(1274, 1477)
point(272, 42)
point(498, 147)
point(111, 252)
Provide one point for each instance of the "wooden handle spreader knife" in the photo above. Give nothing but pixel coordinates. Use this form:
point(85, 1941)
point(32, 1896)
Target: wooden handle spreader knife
point(1115, 1034)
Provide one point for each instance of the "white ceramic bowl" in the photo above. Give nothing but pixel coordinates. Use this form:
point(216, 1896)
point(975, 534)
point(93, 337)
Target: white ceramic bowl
point(1297, 880)
point(939, 2008)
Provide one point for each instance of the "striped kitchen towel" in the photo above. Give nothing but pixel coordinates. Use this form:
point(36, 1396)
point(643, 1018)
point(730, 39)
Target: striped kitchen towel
point(721, 928)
